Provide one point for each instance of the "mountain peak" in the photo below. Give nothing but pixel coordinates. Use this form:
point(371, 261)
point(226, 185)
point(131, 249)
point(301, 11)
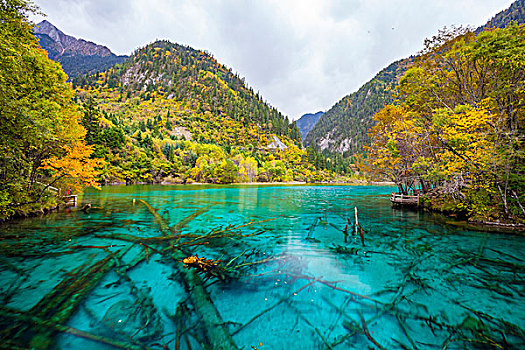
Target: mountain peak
point(65, 45)
point(46, 24)
point(307, 122)
point(77, 56)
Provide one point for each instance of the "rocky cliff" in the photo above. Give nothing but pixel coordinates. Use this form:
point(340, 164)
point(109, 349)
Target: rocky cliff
point(77, 56)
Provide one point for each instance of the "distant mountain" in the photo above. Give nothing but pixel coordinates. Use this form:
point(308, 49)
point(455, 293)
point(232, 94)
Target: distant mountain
point(77, 56)
point(307, 122)
point(344, 127)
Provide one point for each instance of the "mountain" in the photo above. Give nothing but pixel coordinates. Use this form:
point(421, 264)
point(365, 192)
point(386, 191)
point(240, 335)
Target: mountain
point(171, 111)
point(515, 13)
point(344, 127)
point(167, 72)
point(307, 122)
point(77, 56)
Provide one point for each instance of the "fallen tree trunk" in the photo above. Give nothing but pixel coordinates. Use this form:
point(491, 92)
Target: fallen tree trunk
point(24, 317)
point(214, 327)
point(59, 304)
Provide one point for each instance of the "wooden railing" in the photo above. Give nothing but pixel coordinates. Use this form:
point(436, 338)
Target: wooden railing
point(71, 200)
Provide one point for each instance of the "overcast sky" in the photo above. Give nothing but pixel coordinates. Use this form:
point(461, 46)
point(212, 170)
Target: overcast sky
point(302, 55)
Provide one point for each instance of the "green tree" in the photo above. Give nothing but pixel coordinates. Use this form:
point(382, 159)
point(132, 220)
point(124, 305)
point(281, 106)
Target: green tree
point(38, 119)
point(226, 172)
point(91, 122)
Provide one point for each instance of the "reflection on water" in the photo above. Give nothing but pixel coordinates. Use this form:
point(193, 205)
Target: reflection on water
point(114, 277)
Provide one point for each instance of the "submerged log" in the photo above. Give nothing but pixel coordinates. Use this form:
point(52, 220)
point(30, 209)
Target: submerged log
point(214, 327)
point(59, 304)
point(23, 317)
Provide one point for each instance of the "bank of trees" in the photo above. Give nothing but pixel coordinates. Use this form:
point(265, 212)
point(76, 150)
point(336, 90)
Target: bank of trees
point(456, 131)
point(150, 152)
point(41, 140)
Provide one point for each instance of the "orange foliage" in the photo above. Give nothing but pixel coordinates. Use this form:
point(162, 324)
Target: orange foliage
point(76, 164)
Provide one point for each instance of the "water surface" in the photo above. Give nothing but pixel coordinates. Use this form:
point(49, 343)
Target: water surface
point(75, 280)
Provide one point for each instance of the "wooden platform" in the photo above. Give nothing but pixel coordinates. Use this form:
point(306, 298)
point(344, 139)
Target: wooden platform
point(401, 199)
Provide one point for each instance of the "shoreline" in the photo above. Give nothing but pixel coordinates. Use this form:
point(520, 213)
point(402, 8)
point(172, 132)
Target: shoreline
point(486, 226)
point(33, 213)
point(167, 183)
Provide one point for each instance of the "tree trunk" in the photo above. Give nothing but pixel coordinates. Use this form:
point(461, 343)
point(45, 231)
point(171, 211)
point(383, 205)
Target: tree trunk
point(504, 199)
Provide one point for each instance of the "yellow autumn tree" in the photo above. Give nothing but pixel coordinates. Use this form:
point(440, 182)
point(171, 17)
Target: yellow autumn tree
point(400, 148)
point(75, 165)
point(458, 126)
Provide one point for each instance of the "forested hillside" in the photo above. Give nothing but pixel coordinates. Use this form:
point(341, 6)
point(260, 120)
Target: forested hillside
point(344, 127)
point(515, 13)
point(172, 112)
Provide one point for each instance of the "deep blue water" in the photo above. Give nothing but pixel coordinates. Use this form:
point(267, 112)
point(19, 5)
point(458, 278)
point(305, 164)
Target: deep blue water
point(418, 281)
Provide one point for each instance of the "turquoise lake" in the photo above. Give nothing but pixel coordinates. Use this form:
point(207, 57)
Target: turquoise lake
point(114, 276)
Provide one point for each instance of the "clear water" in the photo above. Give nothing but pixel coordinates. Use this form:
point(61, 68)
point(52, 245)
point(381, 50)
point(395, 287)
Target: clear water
point(418, 281)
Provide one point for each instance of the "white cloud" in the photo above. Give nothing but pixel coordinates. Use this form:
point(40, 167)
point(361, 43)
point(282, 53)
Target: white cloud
point(302, 55)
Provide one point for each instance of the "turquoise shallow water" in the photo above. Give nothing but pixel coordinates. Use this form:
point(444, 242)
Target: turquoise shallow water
point(417, 282)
